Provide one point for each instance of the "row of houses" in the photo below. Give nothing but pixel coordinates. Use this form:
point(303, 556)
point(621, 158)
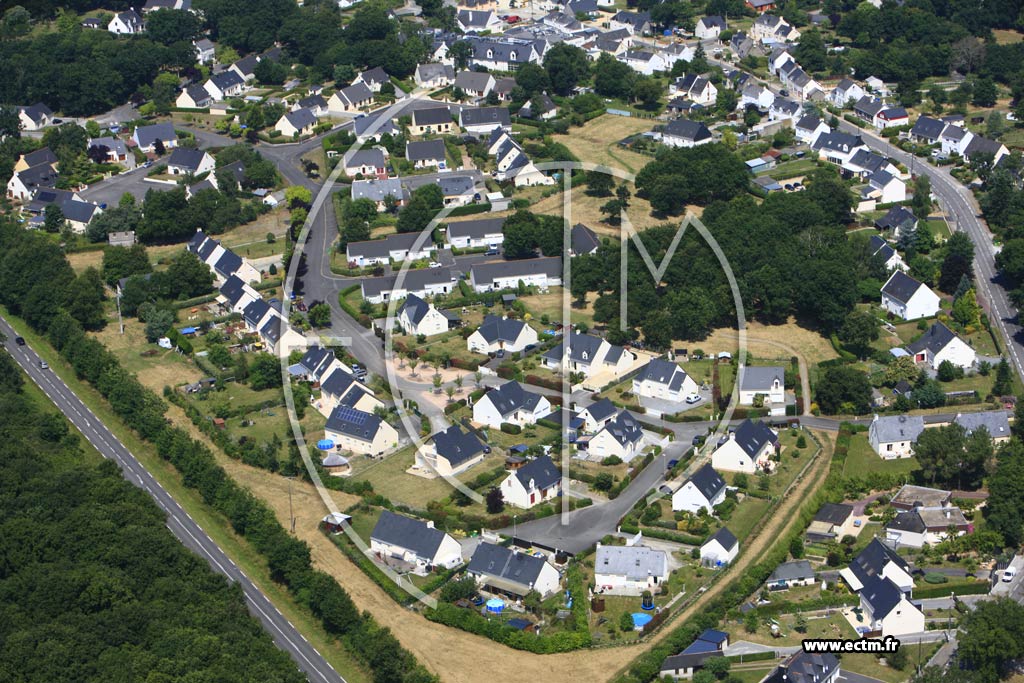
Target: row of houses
point(894, 436)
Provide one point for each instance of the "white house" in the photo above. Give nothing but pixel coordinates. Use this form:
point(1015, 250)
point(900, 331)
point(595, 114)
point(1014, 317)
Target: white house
point(417, 317)
point(749, 448)
point(372, 78)
point(476, 84)
point(888, 609)
point(509, 571)
point(893, 436)
point(629, 570)
point(451, 452)
point(224, 85)
point(790, 574)
point(803, 667)
point(510, 403)
point(938, 344)
point(837, 148)
point(597, 414)
point(371, 162)
point(414, 542)
point(720, 549)
point(932, 525)
point(702, 491)
point(434, 75)
point(478, 21)
point(490, 276)
point(126, 23)
point(185, 161)
point(845, 93)
point(426, 153)
point(538, 481)
point(35, 117)
point(685, 133)
point(359, 432)
point(905, 297)
point(886, 188)
point(296, 123)
point(665, 380)
point(769, 382)
point(878, 560)
point(710, 643)
point(145, 137)
point(350, 99)
point(193, 97)
point(695, 88)
point(622, 437)
point(501, 334)
point(884, 251)
point(589, 355)
point(809, 127)
point(709, 27)
point(479, 233)
point(395, 247)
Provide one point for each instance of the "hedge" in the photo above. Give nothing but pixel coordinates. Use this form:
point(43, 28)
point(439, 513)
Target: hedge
point(752, 657)
point(945, 590)
point(470, 209)
point(510, 428)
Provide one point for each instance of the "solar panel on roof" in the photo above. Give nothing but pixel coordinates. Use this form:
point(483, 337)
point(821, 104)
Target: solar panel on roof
point(351, 415)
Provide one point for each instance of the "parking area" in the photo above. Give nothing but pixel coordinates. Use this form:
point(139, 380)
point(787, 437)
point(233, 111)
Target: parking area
point(111, 190)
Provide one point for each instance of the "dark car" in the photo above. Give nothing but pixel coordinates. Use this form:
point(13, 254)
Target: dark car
point(698, 440)
point(20, 341)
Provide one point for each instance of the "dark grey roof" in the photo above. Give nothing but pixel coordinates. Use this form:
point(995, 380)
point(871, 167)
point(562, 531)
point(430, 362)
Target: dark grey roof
point(882, 595)
point(896, 217)
point(38, 176)
point(792, 571)
point(38, 112)
point(901, 286)
point(584, 240)
point(43, 155)
point(415, 308)
point(431, 71)
point(803, 667)
point(337, 383)
point(313, 102)
point(414, 280)
point(500, 329)
point(197, 239)
point(421, 150)
point(488, 272)
point(411, 534)
point(78, 211)
point(387, 127)
point(316, 360)
point(431, 116)
point(226, 79)
point(510, 397)
point(928, 128)
point(355, 423)
point(501, 50)
point(893, 428)
point(890, 113)
point(198, 93)
point(367, 157)
point(997, 422)
point(473, 80)
point(247, 65)
point(188, 159)
point(470, 116)
point(624, 429)
point(761, 378)
point(372, 76)
point(148, 135)
point(752, 436)
point(475, 18)
point(377, 189)
point(510, 565)
point(935, 338)
point(834, 513)
point(981, 145)
point(355, 94)
point(707, 481)
point(713, 20)
point(456, 185)
point(663, 371)
point(601, 410)
point(476, 229)
point(840, 142)
point(228, 263)
point(457, 446)
point(869, 161)
point(271, 330)
point(868, 106)
point(255, 311)
point(541, 471)
point(908, 520)
point(687, 130)
point(808, 122)
point(300, 118)
point(870, 562)
point(724, 537)
point(635, 19)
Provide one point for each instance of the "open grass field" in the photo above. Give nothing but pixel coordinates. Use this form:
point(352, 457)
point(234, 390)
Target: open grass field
point(550, 304)
point(587, 210)
point(250, 240)
point(862, 460)
point(835, 626)
point(598, 141)
point(165, 368)
point(767, 342)
point(1007, 37)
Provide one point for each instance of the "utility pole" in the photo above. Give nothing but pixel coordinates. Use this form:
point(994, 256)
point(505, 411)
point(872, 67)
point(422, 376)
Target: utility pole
point(291, 514)
point(120, 321)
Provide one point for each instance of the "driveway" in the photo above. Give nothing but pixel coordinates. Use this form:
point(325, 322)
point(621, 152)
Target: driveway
point(133, 182)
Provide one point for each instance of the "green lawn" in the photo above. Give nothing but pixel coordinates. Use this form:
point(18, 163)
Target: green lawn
point(835, 626)
point(861, 460)
point(792, 169)
point(747, 514)
point(869, 665)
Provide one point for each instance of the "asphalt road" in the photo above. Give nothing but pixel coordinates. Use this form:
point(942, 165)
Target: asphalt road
point(191, 535)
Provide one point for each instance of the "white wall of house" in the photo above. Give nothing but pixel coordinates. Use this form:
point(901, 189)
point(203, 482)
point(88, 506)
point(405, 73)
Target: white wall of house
point(956, 352)
point(517, 495)
point(603, 444)
point(713, 551)
point(923, 304)
point(485, 413)
point(729, 457)
point(385, 438)
point(448, 554)
point(689, 498)
point(905, 618)
point(477, 344)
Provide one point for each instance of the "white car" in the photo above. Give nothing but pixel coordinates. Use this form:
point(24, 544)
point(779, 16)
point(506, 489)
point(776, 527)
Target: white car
point(435, 264)
point(693, 398)
point(1009, 573)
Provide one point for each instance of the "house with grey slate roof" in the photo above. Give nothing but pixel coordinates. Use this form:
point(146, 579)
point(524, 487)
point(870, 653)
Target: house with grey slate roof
point(703, 490)
point(415, 542)
point(803, 667)
point(664, 380)
point(509, 572)
point(789, 574)
point(893, 436)
point(622, 437)
point(542, 272)
point(358, 431)
point(538, 481)
point(748, 448)
point(629, 570)
point(475, 234)
point(906, 298)
point(501, 334)
point(719, 550)
point(768, 382)
point(589, 355)
point(939, 344)
point(511, 403)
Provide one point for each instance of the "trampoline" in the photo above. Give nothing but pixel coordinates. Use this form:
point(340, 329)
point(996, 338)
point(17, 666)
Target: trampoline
point(495, 605)
point(640, 620)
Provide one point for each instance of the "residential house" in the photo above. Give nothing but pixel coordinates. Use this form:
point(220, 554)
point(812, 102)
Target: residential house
point(340, 388)
point(375, 129)
point(663, 379)
point(898, 219)
point(457, 190)
point(954, 140)
point(637, 23)
point(589, 355)
point(709, 643)
point(804, 667)
point(190, 161)
point(350, 99)
point(887, 609)
point(115, 151)
point(316, 104)
point(809, 127)
point(883, 251)
point(245, 68)
point(222, 261)
point(838, 148)
point(927, 130)
point(905, 297)
point(893, 436)
point(451, 452)
point(890, 117)
point(503, 88)
point(204, 50)
point(709, 27)
point(695, 88)
point(426, 153)
point(885, 188)
point(769, 382)
point(996, 422)
point(434, 75)
point(43, 156)
point(35, 117)
point(24, 184)
point(510, 403)
point(417, 317)
point(597, 414)
point(369, 162)
point(501, 334)
point(685, 133)
point(629, 570)
point(538, 481)
point(484, 120)
point(378, 191)
point(704, 490)
point(508, 571)
point(473, 21)
point(748, 448)
point(790, 574)
point(359, 432)
point(408, 246)
point(979, 146)
point(373, 78)
point(224, 85)
point(832, 521)
point(911, 496)
point(424, 282)
point(479, 233)
point(127, 23)
point(782, 109)
point(846, 92)
point(646, 62)
point(769, 28)
point(540, 106)
point(502, 54)
point(145, 137)
point(800, 84)
point(877, 560)
point(756, 95)
point(938, 344)
point(475, 84)
point(914, 528)
point(298, 123)
point(434, 120)
point(720, 549)
point(193, 97)
point(583, 241)
point(414, 542)
point(864, 163)
point(622, 437)
point(742, 45)
point(490, 276)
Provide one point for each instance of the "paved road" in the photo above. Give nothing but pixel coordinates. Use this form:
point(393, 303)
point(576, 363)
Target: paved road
point(191, 535)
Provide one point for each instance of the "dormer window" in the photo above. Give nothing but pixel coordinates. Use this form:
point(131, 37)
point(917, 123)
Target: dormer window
point(490, 53)
point(512, 56)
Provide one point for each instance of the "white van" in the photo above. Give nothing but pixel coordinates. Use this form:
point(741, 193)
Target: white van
point(1009, 573)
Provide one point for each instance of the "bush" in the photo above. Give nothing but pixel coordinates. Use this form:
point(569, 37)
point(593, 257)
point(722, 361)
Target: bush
point(509, 428)
point(933, 577)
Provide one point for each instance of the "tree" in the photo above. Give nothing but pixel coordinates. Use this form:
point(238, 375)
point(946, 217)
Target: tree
point(947, 372)
point(165, 88)
point(990, 642)
point(966, 55)
point(264, 372)
point(958, 261)
point(521, 230)
point(599, 184)
point(1004, 511)
point(859, 330)
point(985, 93)
point(796, 547)
point(16, 22)
point(533, 79)
point(53, 221)
point(810, 51)
point(157, 324)
point(726, 101)
point(121, 262)
point(717, 666)
point(191, 277)
point(566, 65)
point(1004, 379)
point(900, 369)
point(966, 310)
point(423, 205)
point(922, 201)
point(928, 394)
point(647, 91)
point(298, 195)
point(603, 481)
point(495, 501)
point(85, 300)
point(626, 622)
point(613, 78)
point(320, 315)
point(697, 175)
point(939, 452)
point(843, 390)
point(461, 52)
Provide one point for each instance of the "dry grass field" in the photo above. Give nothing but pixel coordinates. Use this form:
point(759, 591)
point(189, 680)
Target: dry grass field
point(597, 141)
point(764, 341)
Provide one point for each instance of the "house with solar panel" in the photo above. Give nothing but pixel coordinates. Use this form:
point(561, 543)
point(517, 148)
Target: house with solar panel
point(341, 388)
point(665, 380)
point(536, 482)
point(708, 644)
point(622, 437)
point(629, 570)
point(702, 491)
point(510, 572)
point(450, 452)
point(501, 334)
point(510, 403)
point(222, 261)
point(748, 448)
point(360, 432)
point(878, 562)
point(414, 542)
point(805, 667)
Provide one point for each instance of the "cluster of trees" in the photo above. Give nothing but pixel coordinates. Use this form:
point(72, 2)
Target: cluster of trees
point(949, 456)
point(697, 175)
point(789, 256)
point(616, 79)
point(101, 565)
point(185, 277)
point(525, 232)
point(989, 645)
